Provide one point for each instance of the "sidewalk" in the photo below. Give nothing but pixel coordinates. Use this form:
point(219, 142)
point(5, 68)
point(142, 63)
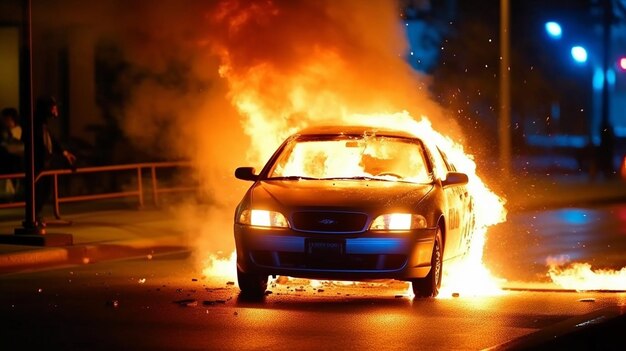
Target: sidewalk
point(98, 236)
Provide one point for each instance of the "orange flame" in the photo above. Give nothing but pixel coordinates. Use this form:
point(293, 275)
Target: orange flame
point(220, 267)
point(581, 277)
point(295, 77)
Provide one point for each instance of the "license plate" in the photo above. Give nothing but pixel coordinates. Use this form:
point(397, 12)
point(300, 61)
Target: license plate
point(322, 247)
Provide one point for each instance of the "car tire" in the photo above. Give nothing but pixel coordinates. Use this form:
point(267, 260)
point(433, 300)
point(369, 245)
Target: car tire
point(429, 285)
point(251, 285)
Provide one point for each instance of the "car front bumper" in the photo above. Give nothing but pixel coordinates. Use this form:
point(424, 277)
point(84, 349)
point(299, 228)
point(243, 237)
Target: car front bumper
point(364, 256)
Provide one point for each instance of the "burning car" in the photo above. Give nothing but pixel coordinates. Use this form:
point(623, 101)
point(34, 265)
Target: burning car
point(352, 203)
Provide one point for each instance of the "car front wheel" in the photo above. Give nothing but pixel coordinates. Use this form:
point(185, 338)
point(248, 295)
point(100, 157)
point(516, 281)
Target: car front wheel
point(429, 285)
point(251, 285)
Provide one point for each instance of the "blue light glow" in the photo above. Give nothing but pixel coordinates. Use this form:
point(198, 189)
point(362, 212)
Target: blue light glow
point(610, 77)
point(575, 216)
point(598, 79)
point(554, 30)
point(579, 54)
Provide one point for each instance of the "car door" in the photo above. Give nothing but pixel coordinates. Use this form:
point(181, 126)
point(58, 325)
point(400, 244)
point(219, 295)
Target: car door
point(459, 209)
point(456, 197)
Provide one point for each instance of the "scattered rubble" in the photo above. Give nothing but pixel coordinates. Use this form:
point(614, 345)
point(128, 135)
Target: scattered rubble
point(587, 299)
point(282, 279)
point(187, 303)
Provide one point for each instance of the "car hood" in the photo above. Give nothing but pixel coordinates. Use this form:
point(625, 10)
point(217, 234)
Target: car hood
point(338, 194)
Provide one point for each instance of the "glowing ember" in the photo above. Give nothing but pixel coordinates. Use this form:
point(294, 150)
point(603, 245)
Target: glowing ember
point(581, 277)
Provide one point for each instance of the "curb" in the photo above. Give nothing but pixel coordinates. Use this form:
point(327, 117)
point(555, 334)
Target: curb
point(87, 253)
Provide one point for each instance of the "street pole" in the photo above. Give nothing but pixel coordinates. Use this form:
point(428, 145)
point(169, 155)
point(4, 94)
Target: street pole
point(26, 78)
point(504, 120)
point(606, 129)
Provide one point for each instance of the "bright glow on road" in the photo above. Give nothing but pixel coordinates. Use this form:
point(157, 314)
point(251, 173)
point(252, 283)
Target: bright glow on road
point(579, 54)
point(554, 30)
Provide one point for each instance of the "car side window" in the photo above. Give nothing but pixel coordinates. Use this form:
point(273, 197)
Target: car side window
point(449, 166)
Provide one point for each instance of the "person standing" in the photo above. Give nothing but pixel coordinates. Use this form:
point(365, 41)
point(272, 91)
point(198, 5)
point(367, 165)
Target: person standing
point(11, 151)
point(47, 151)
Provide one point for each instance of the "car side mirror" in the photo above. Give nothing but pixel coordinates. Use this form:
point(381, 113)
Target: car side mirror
point(246, 173)
point(455, 178)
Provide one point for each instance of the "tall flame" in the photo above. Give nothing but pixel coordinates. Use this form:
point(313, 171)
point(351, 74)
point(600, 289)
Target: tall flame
point(338, 75)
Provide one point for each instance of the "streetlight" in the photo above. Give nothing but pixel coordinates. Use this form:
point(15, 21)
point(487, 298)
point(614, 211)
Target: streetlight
point(554, 30)
point(579, 54)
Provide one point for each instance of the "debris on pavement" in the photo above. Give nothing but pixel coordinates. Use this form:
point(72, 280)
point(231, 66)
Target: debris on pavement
point(187, 303)
point(587, 299)
point(113, 303)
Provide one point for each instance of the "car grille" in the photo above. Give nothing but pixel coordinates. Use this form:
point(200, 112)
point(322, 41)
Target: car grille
point(329, 222)
point(295, 260)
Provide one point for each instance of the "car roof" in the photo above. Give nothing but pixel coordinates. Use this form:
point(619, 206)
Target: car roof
point(355, 130)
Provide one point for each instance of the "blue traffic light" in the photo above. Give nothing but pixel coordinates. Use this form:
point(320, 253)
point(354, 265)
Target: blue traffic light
point(579, 54)
point(554, 30)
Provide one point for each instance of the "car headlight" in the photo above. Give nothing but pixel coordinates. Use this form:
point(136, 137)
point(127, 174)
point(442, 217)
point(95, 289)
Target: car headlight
point(398, 221)
point(263, 218)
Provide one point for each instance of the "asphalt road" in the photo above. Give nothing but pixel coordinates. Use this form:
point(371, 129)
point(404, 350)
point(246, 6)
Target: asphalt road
point(518, 249)
point(164, 302)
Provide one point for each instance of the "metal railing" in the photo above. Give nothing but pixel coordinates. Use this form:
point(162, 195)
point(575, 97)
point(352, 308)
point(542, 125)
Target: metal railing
point(138, 192)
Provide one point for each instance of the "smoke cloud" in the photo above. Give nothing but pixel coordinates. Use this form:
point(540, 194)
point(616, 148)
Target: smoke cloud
point(224, 82)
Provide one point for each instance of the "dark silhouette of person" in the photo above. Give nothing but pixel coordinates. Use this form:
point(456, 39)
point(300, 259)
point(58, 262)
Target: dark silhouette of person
point(47, 152)
point(11, 148)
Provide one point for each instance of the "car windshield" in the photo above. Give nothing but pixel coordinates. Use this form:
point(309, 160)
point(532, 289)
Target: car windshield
point(352, 157)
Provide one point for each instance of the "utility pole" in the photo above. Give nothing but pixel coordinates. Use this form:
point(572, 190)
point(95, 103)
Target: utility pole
point(26, 105)
point(607, 139)
point(504, 118)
